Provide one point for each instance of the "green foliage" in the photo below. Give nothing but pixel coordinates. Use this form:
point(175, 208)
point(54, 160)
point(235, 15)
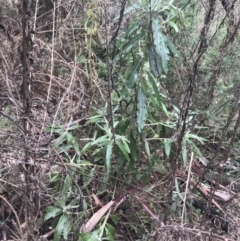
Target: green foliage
point(146, 89)
point(147, 52)
point(142, 109)
point(63, 211)
point(103, 233)
point(104, 140)
point(66, 141)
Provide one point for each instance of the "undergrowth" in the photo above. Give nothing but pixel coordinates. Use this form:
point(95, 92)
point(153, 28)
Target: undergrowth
point(119, 120)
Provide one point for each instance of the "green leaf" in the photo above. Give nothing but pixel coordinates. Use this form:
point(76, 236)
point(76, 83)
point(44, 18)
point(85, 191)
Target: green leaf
point(154, 61)
point(55, 176)
point(82, 59)
point(54, 128)
point(130, 44)
point(60, 227)
point(172, 47)
point(153, 4)
point(59, 140)
point(115, 124)
point(178, 190)
point(76, 146)
point(131, 29)
point(193, 136)
point(90, 236)
point(65, 190)
point(108, 157)
point(98, 150)
point(52, 212)
point(133, 145)
point(165, 109)
point(126, 145)
point(133, 74)
point(64, 148)
point(88, 176)
point(115, 219)
point(102, 139)
point(95, 119)
point(155, 88)
point(123, 150)
point(167, 146)
point(142, 109)
point(69, 137)
point(159, 44)
point(174, 26)
point(196, 149)
point(67, 229)
point(110, 232)
point(86, 147)
point(147, 149)
point(61, 202)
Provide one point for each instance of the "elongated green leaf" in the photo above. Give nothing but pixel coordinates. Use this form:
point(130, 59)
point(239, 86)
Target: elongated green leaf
point(147, 149)
point(133, 145)
point(101, 139)
point(60, 226)
point(193, 136)
point(76, 146)
point(153, 3)
point(155, 88)
point(93, 236)
point(51, 212)
point(88, 177)
point(174, 26)
point(86, 147)
point(167, 147)
point(172, 47)
point(64, 148)
point(69, 137)
point(67, 229)
point(159, 44)
point(125, 145)
point(131, 29)
point(110, 232)
point(61, 202)
point(54, 128)
point(59, 140)
point(115, 219)
point(154, 101)
point(66, 184)
point(133, 74)
point(195, 148)
point(123, 150)
point(142, 109)
point(164, 108)
point(94, 119)
point(154, 61)
point(115, 124)
point(129, 44)
point(108, 157)
point(178, 190)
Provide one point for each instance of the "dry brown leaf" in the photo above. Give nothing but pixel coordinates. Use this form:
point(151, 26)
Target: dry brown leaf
point(93, 221)
point(97, 201)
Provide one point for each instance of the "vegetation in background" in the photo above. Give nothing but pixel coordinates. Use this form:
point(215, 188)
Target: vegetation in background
point(119, 120)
